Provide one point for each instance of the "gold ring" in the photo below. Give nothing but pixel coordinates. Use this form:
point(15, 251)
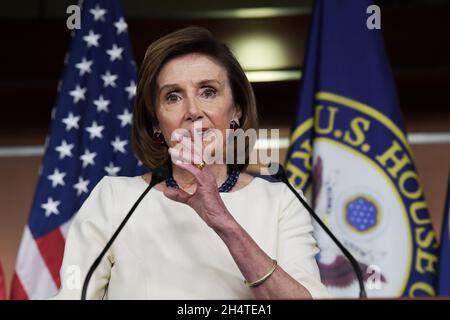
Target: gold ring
point(201, 165)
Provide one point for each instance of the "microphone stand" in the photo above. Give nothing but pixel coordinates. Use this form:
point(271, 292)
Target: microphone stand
point(158, 175)
point(281, 176)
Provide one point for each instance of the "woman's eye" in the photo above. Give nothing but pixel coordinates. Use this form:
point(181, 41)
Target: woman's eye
point(172, 98)
point(209, 93)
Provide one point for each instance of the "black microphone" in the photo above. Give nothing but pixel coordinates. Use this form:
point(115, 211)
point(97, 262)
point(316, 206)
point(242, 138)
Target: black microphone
point(281, 176)
point(158, 175)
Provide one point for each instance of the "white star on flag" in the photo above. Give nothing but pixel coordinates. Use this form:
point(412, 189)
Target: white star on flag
point(71, 121)
point(98, 13)
point(119, 145)
point(65, 150)
point(115, 53)
point(95, 131)
point(109, 79)
point(125, 118)
point(92, 39)
point(84, 66)
point(102, 104)
point(121, 26)
point(50, 207)
point(78, 94)
point(131, 89)
point(88, 158)
point(112, 170)
point(57, 178)
point(81, 186)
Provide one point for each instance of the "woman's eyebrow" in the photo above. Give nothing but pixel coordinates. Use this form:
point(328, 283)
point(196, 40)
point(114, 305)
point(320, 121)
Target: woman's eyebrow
point(208, 81)
point(171, 86)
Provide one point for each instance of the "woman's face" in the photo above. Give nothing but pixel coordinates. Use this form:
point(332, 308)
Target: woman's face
point(194, 89)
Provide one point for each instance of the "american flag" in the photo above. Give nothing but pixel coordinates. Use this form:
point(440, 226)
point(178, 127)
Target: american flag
point(89, 138)
point(2, 284)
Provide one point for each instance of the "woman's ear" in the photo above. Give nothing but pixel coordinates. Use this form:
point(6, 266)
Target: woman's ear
point(237, 113)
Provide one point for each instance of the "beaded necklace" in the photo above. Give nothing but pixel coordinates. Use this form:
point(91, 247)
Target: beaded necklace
point(225, 187)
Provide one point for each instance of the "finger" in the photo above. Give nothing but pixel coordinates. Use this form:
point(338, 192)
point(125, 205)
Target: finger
point(196, 172)
point(209, 153)
point(192, 151)
point(198, 148)
point(176, 155)
point(178, 135)
point(203, 177)
point(184, 151)
point(178, 195)
point(195, 139)
point(213, 147)
point(186, 139)
point(177, 158)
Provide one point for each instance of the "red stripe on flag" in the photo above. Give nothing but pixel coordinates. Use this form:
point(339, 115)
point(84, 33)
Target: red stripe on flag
point(17, 290)
point(51, 247)
point(2, 284)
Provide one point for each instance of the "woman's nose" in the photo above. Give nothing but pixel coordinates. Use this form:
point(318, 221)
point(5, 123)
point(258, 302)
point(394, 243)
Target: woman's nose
point(194, 111)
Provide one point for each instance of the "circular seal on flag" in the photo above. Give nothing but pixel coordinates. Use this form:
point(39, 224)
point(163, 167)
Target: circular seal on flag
point(363, 224)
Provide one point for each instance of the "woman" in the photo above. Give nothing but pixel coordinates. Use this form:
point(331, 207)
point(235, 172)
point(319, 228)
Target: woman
point(187, 240)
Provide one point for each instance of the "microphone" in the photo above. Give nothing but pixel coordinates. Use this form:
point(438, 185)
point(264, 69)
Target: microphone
point(281, 176)
point(158, 175)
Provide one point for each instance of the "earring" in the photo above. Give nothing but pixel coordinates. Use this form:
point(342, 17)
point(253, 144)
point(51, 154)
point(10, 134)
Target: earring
point(234, 125)
point(158, 137)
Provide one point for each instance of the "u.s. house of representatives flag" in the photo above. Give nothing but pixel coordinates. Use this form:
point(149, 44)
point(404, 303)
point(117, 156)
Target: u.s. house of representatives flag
point(89, 138)
point(443, 286)
point(348, 149)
